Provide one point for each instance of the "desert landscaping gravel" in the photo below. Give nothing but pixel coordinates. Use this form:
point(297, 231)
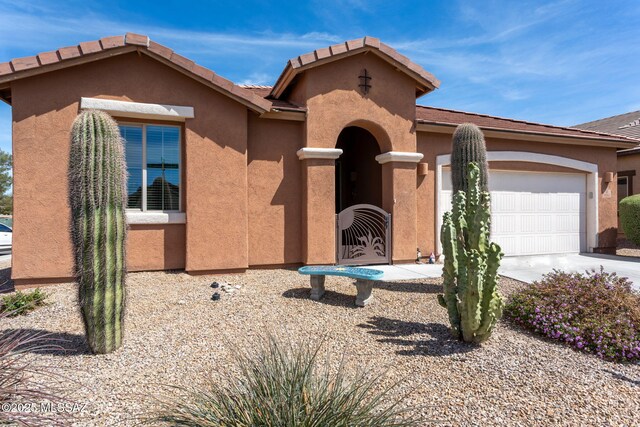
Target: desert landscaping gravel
point(176, 335)
point(627, 248)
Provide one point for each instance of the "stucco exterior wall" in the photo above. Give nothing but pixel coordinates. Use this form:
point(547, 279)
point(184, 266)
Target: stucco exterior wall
point(215, 168)
point(435, 144)
point(156, 247)
point(275, 192)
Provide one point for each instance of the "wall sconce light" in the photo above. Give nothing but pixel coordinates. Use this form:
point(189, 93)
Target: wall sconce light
point(608, 177)
point(423, 169)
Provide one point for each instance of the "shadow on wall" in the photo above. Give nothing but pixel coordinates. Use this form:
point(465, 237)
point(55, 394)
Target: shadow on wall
point(416, 339)
point(277, 143)
point(607, 241)
point(53, 343)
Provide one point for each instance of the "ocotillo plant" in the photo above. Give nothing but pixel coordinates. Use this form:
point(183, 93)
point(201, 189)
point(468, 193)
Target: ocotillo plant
point(97, 195)
point(471, 264)
point(468, 146)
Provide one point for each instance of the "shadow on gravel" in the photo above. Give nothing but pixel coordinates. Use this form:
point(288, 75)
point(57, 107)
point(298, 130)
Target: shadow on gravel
point(411, 335)
point(423, 288)
point(53, 343)
point(622, 377)
point(330, 297)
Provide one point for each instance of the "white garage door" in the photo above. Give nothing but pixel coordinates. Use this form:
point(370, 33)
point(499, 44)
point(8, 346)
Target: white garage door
point(533, 213)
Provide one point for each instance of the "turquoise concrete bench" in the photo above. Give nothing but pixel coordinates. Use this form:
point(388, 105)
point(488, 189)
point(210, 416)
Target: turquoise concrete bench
point(365, 279)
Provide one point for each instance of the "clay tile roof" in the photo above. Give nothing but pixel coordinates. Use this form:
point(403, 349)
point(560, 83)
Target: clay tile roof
point(627, 124)
point(265, 91)
point(426, 82)
point(93, 50)
point(442, 116)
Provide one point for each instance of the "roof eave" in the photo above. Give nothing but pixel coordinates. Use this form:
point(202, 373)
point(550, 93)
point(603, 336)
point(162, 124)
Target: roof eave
point(118, 45)
point(547, 137)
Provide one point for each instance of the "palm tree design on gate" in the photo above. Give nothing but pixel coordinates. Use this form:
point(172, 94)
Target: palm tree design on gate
point(363, 235)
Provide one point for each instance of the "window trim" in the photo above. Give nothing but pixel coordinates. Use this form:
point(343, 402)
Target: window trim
point(626, 184)
point(143, 210)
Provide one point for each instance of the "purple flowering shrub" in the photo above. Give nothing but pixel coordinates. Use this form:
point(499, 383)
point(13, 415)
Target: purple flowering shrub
point(594, 312)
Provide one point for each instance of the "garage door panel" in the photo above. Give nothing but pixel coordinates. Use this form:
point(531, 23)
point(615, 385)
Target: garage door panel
point(533, 213)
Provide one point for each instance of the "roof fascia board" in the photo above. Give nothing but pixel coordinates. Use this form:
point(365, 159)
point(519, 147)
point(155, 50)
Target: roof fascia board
point(551, 138)
point(297, 116)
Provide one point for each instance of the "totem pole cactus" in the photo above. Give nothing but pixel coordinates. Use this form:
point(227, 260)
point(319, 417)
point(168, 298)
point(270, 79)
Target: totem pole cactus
point(468, 146)
point(97, 195)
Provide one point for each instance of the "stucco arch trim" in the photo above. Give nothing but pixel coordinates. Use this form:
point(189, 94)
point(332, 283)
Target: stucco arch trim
point(378, 132)
point(590, 169)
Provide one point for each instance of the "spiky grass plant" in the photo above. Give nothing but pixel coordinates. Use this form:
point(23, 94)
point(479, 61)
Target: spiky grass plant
point(97, 195)
point(286, 386)
point(19, 389)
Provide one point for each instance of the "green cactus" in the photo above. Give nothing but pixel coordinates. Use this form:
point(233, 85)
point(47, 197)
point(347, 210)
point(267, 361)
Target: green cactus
point(468, 146)
point(97, 195)
point(471, 264)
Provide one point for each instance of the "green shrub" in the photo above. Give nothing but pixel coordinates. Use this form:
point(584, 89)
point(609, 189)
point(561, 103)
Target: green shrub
point(630, 217)
point(596, 312)
point(285, 386)
point(22, 302)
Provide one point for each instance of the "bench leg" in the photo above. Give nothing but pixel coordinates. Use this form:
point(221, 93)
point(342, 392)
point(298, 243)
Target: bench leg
point(364, 288)
point(317, 287)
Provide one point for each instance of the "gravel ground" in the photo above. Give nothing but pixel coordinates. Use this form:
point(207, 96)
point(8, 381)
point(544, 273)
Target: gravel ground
point(626, 248)
point(177, 335)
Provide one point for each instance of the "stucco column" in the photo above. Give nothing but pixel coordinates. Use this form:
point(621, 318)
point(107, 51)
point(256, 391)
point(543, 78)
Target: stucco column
point(318, 204)
point(399, 197)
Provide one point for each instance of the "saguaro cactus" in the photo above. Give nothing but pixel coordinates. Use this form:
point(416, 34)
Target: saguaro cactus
point(471, 264)
point(468, 146)
point(97, 195)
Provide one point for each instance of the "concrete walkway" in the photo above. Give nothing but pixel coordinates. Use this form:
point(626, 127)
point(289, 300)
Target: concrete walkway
point(531, 268)
point(527, 268)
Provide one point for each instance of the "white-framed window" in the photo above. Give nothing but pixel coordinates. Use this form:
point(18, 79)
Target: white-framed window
point(623, 187)
point(154, 166)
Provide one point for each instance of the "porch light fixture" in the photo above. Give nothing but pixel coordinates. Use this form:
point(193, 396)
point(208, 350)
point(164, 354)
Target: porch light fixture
point(608, 177)
point(423, 169)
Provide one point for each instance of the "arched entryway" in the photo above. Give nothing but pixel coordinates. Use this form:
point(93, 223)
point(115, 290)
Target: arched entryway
point(363, 228)
point(358, 174)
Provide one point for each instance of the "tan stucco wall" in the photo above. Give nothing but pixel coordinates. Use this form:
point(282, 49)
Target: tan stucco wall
point(275, 192)
point(156, 247)
point(435, 144)
point(215, 167)
point(629, 163)
point(334, 101)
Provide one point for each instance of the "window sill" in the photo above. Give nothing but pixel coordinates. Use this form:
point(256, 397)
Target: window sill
point(156, 218)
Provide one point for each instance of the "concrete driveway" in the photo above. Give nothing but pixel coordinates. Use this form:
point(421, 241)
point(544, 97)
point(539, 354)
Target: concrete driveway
point(531, 268)
point(527, 268)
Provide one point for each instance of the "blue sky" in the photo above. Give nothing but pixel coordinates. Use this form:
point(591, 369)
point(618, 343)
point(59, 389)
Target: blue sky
point(560, 62)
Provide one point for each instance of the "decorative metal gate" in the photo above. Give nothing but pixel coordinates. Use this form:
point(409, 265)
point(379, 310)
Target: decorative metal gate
point(363, 236)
